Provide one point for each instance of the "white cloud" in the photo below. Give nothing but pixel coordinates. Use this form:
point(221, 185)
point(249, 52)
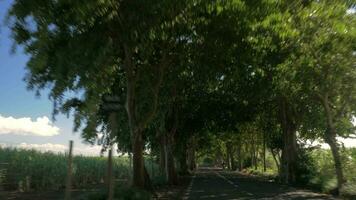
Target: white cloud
point(42, 126)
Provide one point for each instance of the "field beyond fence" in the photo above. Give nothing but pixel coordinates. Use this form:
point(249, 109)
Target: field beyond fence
point(30, 170)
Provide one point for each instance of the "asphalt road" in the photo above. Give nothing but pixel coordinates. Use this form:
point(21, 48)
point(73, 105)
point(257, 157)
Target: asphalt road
point(211, 184)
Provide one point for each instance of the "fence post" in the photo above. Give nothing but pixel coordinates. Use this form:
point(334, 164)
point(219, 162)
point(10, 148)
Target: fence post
point(69, 172)
point(110, 176)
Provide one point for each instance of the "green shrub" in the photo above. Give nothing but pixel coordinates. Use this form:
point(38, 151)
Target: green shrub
point(325, 178)
point(306, 168)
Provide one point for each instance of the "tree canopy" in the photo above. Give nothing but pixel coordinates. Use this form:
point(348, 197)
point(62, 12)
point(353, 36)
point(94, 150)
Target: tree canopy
point(196, 76)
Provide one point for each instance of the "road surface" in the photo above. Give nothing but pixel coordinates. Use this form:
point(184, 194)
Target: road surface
point(211, 184)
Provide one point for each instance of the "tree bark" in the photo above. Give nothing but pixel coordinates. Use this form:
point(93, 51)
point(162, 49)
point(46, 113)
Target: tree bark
point(171, 172)
point(233, 164)
point(289, 151)
point(334, 146)
point(255, 154)
point(148, 184)
point(240, 157)
point(264, 151)
point(330, 138)
point(183, 161)
point(162, 154)
point(191, 158)
point(276, 161)
point(231, 158)
point(130, 163)
point(138, 179)
point(228, 156)
point(138, 163)
point(137, 126)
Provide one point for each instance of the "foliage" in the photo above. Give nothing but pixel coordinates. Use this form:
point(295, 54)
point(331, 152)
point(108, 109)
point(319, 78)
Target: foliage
point(325, 178)
point(223, 78)
point(306, 167)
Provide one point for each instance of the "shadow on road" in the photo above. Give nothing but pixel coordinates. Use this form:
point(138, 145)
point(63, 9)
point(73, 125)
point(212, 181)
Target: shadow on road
point(212, 183)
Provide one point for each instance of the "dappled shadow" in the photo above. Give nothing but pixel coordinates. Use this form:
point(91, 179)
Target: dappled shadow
point(214, 184)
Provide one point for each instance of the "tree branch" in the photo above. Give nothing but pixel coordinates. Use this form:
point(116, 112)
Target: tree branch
point(161, 67)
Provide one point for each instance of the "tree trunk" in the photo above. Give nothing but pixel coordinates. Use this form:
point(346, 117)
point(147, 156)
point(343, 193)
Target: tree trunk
point(289, 156)
point(148, 184)
point(334, 146)
point(240, 157)
point(191, 155)
point(162, 154)
point(228, 156)
point(171, 173)
point(171, 170)
point(183, 161)
point(330, 138)
point(233, 165)
point(231, 158)
point(255, 154)
point(276, 161)
point(264, 151)
point(252, 156)
point(131, 167)
point(138, 126)
point(138, 178)
point(138, 162)
point(289, 151)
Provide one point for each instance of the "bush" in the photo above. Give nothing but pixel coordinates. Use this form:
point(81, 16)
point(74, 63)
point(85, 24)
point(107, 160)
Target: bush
point(306, 168)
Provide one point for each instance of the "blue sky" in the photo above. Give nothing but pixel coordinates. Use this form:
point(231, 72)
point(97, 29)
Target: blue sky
point(17, 103)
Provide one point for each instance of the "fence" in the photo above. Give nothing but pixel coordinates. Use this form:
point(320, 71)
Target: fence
point(29, 170)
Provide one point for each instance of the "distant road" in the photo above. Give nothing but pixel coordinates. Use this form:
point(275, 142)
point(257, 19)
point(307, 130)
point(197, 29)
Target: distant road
point(211, 184)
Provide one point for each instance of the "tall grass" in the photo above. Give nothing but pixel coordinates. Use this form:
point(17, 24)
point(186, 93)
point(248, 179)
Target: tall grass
point(30, 169)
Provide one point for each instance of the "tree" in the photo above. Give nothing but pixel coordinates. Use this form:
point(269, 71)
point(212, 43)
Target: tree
point(124, 45)
point(323, 64)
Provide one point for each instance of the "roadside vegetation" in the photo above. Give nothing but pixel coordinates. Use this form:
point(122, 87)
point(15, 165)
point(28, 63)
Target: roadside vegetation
point(31, 170)
point(316, 169)
point(241, 82)
point(324, 178)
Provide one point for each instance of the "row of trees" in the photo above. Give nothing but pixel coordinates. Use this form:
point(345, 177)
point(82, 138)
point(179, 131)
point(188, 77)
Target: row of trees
point(165, 75)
